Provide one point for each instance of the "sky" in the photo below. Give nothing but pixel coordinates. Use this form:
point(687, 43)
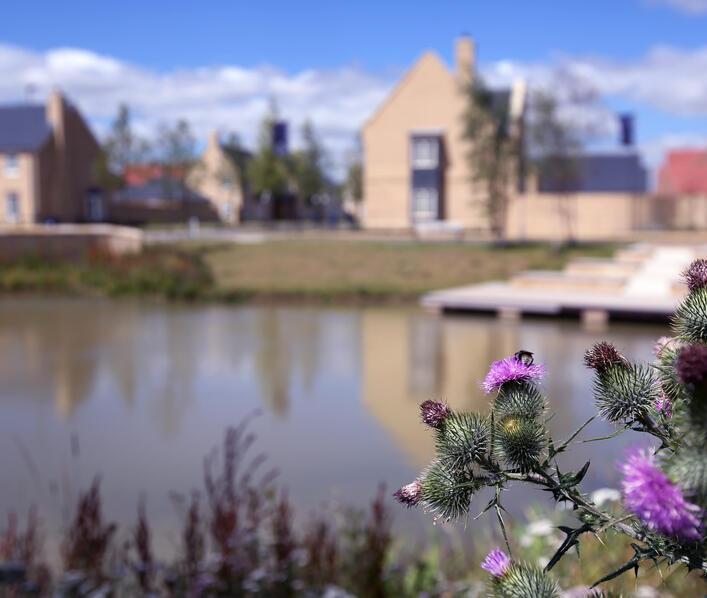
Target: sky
point(218, 63)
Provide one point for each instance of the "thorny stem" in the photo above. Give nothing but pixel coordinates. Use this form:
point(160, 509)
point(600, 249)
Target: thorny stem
point(544, 479)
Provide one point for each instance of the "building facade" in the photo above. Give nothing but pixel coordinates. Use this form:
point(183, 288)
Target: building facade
point(47, 164)
point(416, 170)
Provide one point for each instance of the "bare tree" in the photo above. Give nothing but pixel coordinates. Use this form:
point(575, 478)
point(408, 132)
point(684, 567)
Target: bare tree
point(493, 152)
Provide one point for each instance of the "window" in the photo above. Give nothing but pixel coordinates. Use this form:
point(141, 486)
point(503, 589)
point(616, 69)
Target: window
point(12, 207)
point(425, 152)
point(424, 204)
point(12, 165)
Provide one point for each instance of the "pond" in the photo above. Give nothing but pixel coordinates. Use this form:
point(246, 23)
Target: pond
point(140, 393)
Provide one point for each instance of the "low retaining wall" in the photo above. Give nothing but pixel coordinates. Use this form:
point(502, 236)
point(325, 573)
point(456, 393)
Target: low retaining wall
point(68, 240)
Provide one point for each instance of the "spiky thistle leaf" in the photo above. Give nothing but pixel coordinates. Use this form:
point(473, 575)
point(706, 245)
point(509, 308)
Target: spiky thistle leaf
point(520, 442)
point(463, 439)
point(522, 581)
point(447, 492)
point(690, 320)
point(625, 394)
point(522, 399)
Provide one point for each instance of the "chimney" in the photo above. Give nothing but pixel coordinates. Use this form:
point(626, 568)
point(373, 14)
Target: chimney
point(465, 57)
point(214, 140)
point(55, 112)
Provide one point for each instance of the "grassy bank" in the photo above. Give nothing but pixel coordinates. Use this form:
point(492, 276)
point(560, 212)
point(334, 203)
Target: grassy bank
point(291, 270)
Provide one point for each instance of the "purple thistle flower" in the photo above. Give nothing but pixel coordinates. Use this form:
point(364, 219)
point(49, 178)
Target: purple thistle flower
point(511, 369)
point(409, 495)
point(665, 343)
point(660, 504)
point(664, 405)
point(433, 413)
point(496, 563)
point(696, 275)
point(692, 364)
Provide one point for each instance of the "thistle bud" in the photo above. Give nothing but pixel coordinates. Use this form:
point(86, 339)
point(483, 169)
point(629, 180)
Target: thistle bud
point(520, 442)
point(409, 495)
point(433, 413)
point(521, 581)
point(691, 364)
point(602, 356)
point(696, 275)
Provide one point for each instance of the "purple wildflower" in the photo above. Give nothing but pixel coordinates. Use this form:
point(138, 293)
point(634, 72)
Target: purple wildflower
point(696, 275)
point(660, 504)
point(665, 343)
point(433, 413)
point(496, 563)
point(409, 495)
point(692, 364)
point(664, 405)
point(511, 369)
point(602, 356)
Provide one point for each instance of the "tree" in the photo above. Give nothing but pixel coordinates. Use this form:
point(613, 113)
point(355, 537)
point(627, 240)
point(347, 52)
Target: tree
point(268, 173)
point(309, 165)
point(493, 152)
point(121, 148)
point(176, 151)
point(558, 135)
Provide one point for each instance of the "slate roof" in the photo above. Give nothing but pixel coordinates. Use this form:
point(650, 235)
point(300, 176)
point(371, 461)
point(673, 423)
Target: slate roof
point(602, 173)
point(23, 128)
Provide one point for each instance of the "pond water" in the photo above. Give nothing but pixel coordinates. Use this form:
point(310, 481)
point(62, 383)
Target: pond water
point(140, 393)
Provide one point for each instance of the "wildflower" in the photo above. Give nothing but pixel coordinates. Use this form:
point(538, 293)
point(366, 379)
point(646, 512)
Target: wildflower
point(664, 405)
point(511, 369)
point(691, 364)
point(604, 495)
point(409, 495)
point(496, 563)
point(433, 413)
point(602, 356)
point(696, 275)
point(660, 504)
point(665, 343)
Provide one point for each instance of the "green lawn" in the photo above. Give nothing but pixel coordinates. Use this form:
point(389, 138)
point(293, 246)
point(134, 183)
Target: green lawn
point(286, 270)
point(369, 270)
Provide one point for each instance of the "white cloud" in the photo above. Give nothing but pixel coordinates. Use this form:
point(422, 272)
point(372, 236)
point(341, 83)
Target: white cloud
point(690, 7)
point(227, 98)
point(234, 98)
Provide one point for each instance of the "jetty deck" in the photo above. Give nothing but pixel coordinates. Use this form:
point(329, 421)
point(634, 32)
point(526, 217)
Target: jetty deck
point(642, 282)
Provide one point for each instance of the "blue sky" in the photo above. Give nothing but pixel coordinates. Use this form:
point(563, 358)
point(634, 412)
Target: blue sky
point(100, 50)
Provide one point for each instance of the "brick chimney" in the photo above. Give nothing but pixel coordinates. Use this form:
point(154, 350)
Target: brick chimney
point(214, 139)
point(55, 112)
point(465, 59)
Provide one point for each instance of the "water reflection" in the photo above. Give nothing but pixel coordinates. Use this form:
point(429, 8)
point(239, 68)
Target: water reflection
point(149, 389)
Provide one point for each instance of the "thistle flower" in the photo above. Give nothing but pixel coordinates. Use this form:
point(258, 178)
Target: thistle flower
point(696, 275)
point(433, 413)
point(691, 364)
point(409, 495)
point(664, 405)
point(496, 563)
point(602, 356)
point(511, 369)
point(665, 343)
point(658, 502)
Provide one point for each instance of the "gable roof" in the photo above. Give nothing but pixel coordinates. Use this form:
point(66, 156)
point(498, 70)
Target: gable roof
point(429, 57)
point(23, 128)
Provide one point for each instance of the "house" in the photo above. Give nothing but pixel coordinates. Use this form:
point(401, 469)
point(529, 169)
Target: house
point(47, 160)
point(219, 177)
point(684, 173)
point(416, 170)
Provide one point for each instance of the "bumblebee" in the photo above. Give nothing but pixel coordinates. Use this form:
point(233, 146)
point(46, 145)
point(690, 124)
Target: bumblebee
point(525, 357)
